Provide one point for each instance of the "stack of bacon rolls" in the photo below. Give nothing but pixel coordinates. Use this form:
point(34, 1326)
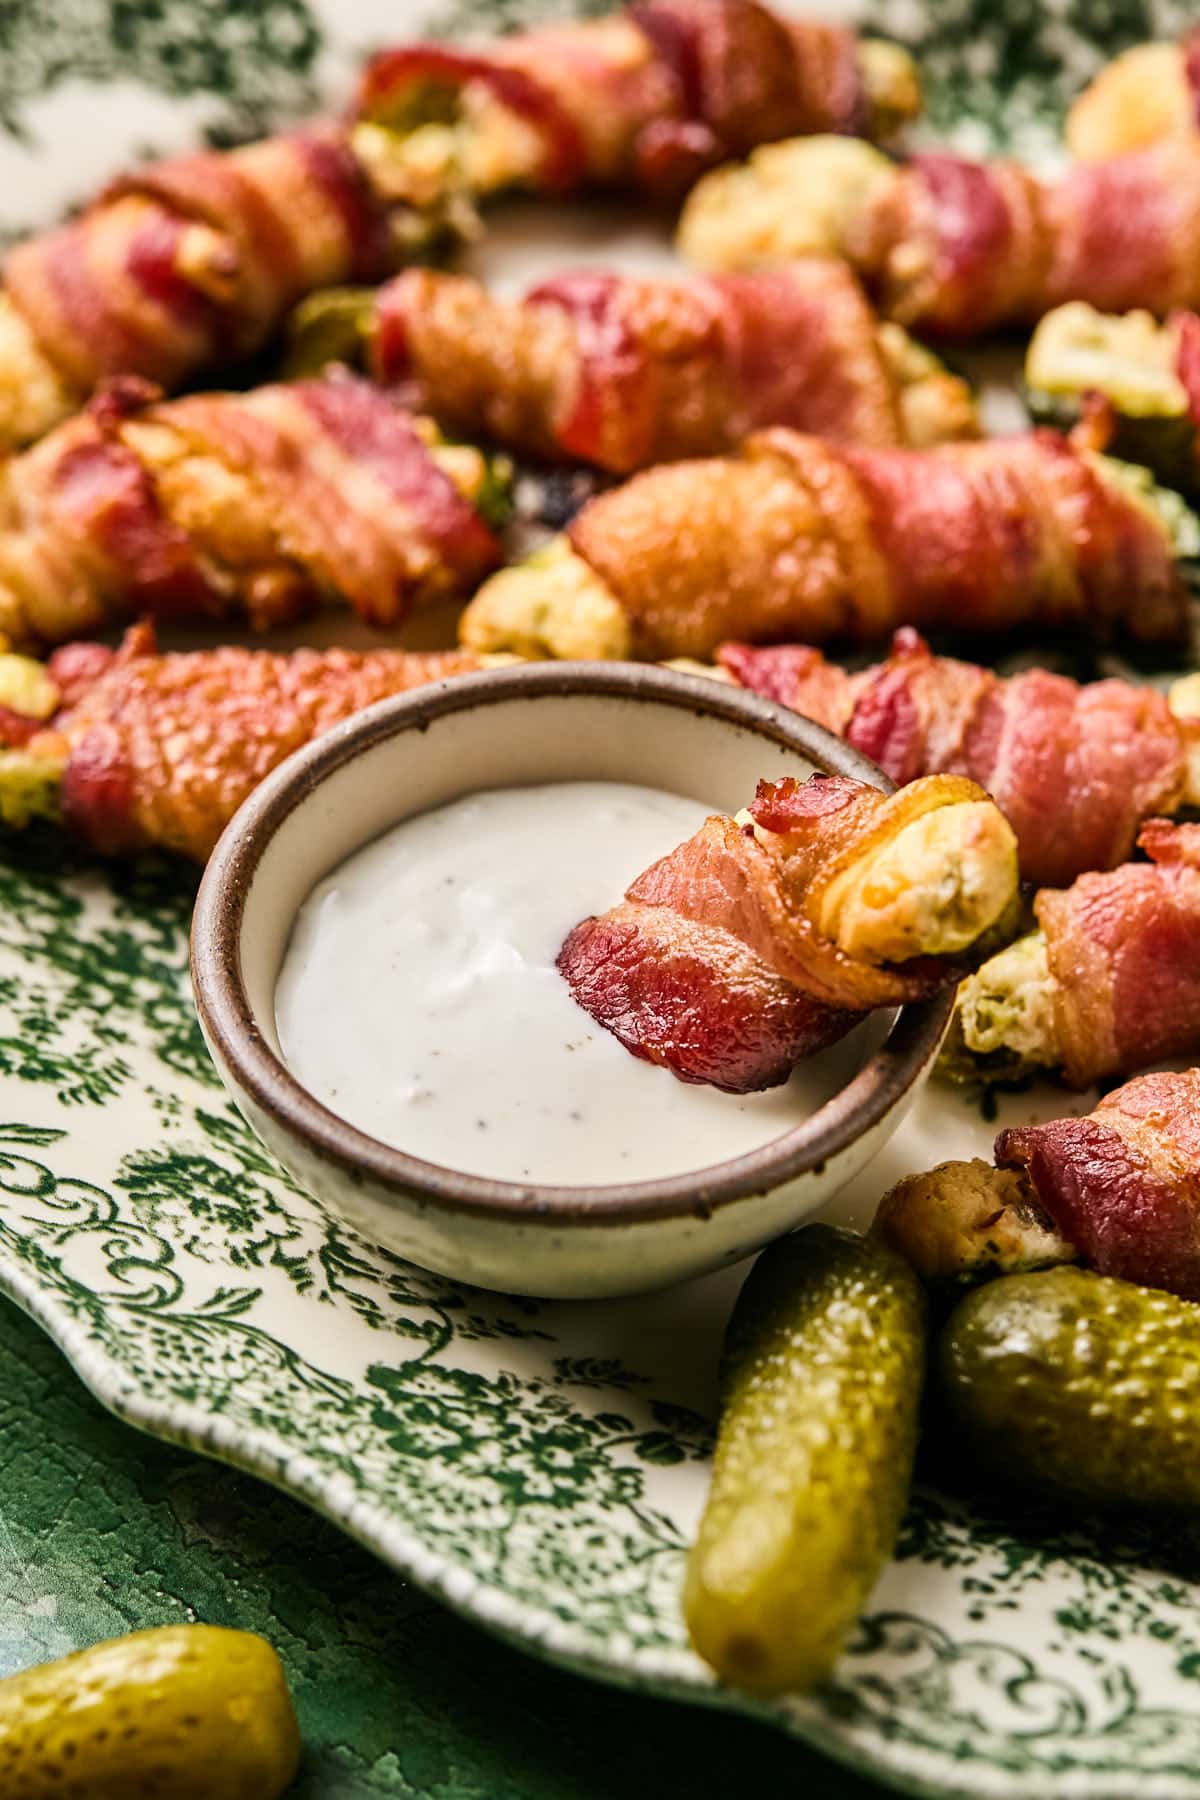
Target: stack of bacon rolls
point(784, 466)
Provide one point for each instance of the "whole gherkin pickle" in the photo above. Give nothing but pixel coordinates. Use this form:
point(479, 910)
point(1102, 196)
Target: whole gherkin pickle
point(821, 1387)
point(1078, 1385)
point(186, 1712)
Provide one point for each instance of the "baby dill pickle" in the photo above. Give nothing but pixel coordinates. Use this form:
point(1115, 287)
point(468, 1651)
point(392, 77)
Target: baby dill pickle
point(1077, 1384)
point(821, 1388)
point(187, 1712)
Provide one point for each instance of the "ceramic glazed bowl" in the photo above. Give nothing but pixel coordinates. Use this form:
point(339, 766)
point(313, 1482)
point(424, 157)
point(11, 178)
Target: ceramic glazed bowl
point(616, 722)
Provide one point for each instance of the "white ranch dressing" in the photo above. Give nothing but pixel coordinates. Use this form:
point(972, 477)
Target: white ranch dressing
point(419, 999)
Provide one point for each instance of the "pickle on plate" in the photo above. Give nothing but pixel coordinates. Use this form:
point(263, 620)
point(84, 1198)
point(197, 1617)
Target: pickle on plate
point(821, 1389)
point(184, 1712)
point(1079, 1385)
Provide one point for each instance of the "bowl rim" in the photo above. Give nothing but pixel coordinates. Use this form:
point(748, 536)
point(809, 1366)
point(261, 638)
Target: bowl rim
point(229, 1024)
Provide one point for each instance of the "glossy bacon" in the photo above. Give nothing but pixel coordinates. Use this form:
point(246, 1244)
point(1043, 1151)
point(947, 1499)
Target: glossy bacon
point(1075, 769)
point(1123, 949)
point(265, 502)
point(193, 263)
point(712, 965)
point(624, 372)
point(1123, 1185)
point(648, 98)
point(162, 750)
point(993, 245)
point(799, 538)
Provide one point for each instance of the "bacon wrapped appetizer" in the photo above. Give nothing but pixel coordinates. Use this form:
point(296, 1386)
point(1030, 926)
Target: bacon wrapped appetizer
point(182, 267)
point(1075, 769)
point(962, 248)
point(1148, 94)
point(766, 938)
point(131, 748)
point(260, 503)
point(191, 264)
point(1118, 1190)
point(644, 100)
point(623, 372)
point(1126, 383)
point(1110, 981)
point(799, 538)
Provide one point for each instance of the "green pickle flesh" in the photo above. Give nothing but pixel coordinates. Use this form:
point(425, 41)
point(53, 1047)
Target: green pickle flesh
point(821, 1381)
point(186, 1712)
point(1077, 1384)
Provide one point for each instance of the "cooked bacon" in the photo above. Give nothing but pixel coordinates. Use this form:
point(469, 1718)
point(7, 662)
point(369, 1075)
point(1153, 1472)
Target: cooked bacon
point(1075, 769)
point(1123, 1184)
point(964, 247)
point(799, 538)
point(194, 262)
point(648, 98)
point(266, 501)
point(713, 966)
point(1123, 949)
point(624, 371)
point(162, 749)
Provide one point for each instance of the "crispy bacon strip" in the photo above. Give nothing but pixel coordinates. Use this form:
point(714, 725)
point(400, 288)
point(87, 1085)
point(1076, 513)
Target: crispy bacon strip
point(961, 248)
point(716, 965)
point(1123, 1185)
point(1075, 769)
point(624, 372)
point(193, 263)
point(798, 538)
point(1123, 950)
point(647, 98)
point(264, 501)
point(162, 749)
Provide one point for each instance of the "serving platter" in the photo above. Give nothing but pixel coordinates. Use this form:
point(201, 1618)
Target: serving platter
point(538, 1466)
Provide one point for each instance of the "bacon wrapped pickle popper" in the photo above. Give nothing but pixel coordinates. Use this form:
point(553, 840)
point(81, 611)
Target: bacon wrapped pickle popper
point(261, 503)
point(799, 538)
point(1149, 93)
point(962, 248)
point(644, 99)
point(1127, 383)
point(1118, 1190)
point(1107, 984)
point(757, 943)
point(1076, 769)
point(191, 264)
point(131, 748)
point(623, 372)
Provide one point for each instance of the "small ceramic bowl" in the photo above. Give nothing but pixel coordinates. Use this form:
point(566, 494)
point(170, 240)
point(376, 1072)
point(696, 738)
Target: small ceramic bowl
point(552, 721)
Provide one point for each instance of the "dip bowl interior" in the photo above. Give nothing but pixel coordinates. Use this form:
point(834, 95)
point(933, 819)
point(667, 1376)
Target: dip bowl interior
point(508, 728)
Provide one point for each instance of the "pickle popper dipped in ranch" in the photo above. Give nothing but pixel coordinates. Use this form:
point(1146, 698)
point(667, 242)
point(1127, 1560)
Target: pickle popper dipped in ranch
point(190, 264)
point(258, 505)
point(796, 537)
point(765, 938)
point(623, 371)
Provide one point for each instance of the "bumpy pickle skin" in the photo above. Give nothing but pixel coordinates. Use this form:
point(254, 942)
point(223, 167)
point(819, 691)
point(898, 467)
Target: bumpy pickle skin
point(552, 605)
point(824, 1360)
point(30, 787)
point(1077, 1385)
point(891, 87)
point(185, 1712)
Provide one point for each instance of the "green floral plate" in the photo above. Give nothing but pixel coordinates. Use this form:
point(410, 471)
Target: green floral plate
point(540, 1467)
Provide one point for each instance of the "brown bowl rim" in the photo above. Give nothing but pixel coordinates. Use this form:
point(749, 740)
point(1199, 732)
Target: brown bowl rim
point(228, 1019)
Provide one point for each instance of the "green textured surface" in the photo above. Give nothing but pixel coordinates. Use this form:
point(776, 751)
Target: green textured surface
point(103, 1530)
